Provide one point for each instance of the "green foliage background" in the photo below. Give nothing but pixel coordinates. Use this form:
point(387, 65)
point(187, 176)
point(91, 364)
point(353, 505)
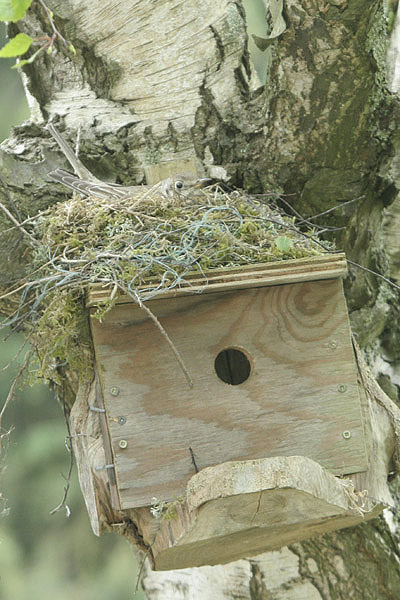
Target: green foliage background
point(42, 556)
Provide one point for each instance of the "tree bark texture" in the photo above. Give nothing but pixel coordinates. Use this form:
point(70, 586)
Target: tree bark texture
point(161, 82)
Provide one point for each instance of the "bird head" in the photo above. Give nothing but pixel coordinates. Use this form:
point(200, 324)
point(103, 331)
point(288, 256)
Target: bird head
point(182, 184)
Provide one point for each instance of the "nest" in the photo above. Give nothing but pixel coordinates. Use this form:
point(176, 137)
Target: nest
point(141, 246)
point(150, 243)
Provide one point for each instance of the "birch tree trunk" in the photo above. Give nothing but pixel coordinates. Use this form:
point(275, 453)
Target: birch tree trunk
point(173, 82)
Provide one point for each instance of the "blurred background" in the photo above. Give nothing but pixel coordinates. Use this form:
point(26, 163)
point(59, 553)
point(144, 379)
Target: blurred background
point(43, 556)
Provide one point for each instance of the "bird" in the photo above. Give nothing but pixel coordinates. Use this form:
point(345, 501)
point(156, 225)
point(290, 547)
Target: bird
point(85, 183)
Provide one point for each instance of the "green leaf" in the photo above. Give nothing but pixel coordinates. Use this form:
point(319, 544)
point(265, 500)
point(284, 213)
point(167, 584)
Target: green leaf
point(19, 64)
point(13, 10)
point(27, 61)
point(283, 243)
point(16, 46)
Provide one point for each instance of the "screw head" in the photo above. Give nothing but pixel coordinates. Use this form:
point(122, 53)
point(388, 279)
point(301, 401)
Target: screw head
point(342, 388)
point(114, 391)
point(123, 444)
point(346, 435)
point(333, 345)
point(122, 420)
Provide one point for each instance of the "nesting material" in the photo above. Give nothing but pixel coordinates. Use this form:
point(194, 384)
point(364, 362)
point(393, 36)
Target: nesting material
point(150, 243)
point(143, 246)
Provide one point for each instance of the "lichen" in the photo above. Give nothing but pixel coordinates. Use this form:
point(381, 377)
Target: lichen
point(234, 21)
point(381, 100)
point(166, 511)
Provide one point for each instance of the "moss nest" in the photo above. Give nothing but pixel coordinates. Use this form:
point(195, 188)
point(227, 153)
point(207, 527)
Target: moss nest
point(141, 245)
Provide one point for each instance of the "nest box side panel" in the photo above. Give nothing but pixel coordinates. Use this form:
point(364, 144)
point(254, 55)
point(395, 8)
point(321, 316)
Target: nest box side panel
point(300, 396)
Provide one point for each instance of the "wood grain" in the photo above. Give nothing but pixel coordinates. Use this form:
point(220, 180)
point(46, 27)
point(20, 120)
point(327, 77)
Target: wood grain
point(312, 268)
point(239, 509)
point(294, 403)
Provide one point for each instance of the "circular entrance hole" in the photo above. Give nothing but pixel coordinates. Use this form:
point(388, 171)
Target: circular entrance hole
point(232, 366)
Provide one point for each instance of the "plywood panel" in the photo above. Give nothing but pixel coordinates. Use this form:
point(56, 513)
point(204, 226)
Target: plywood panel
point(312, 268)
point(300, 397)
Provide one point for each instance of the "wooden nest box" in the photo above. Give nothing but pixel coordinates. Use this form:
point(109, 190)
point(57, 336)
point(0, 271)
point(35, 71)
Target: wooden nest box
point(248, 455)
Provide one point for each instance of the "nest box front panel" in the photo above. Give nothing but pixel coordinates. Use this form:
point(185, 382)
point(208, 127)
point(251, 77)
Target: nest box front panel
point(273, 375)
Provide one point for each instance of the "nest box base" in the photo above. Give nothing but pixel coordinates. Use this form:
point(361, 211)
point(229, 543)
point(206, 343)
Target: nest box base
point(240, 509)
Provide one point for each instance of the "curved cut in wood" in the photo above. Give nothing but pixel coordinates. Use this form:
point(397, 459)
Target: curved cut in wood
point(280, 472)
point(240, 509)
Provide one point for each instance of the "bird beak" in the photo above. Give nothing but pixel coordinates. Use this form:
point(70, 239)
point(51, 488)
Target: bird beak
point(200, 183)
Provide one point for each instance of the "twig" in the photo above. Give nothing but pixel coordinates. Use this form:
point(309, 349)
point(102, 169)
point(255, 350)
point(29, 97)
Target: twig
point(66, 488)
point(295, 212)
point(12, 203)
point(394, 285)
point(329, 229)
point(14, 383)
point(50, 18)
point(27, 220)
point(136, 298)
point(24, 285)
point(142, 563)
point(17, 354)
point(63, 504)
point(309, 220)
point(332, 209)
point(9, 198)
point(22, 229)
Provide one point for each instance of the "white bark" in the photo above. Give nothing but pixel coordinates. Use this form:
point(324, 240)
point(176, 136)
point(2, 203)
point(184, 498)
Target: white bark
point(274, 574)
point(393, 57)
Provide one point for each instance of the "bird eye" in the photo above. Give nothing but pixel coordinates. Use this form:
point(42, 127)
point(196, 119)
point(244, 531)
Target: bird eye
point(178, 185)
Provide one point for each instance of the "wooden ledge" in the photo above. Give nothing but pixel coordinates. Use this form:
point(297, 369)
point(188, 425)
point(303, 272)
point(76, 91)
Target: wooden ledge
point(248, 476)
point(326, 266)
point(243, 508)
